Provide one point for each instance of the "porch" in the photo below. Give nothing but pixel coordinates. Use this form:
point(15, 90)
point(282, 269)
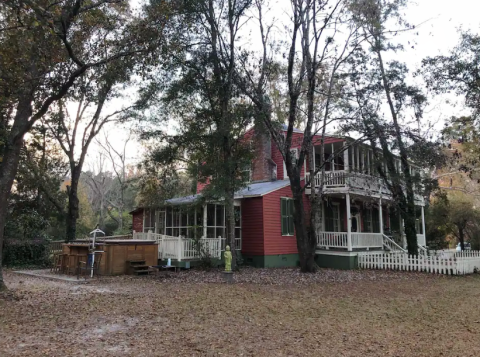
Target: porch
point(352, 222)
point(354, 170)
point(184, 249)
point(186, 231)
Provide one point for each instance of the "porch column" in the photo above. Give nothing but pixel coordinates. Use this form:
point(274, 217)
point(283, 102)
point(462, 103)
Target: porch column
point(332, 164)
point(423, 224)
point(380, 214)
point(205, 221)
point(345, 156)
point(349, 224)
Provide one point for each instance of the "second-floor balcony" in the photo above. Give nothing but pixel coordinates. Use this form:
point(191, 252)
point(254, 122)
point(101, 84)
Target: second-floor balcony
point(339, 181)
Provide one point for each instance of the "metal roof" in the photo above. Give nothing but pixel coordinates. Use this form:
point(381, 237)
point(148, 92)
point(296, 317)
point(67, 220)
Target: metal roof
point(252, 190)
point(261, 188)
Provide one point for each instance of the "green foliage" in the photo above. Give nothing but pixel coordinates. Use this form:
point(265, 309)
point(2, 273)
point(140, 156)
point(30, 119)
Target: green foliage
point(453, 215)
point(23, 252)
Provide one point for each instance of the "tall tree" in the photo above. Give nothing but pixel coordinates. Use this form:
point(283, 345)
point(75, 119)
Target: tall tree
point(379, 84)
point(46, 47)
point(203, 96)
point(315, 54)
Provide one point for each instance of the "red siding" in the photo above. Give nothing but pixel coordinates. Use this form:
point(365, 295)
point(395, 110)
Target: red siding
point(275, 243)
point(252, 226)
point(137, 223)
point(202, 185)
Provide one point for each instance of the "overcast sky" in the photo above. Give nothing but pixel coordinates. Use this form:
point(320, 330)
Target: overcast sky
point(437, 34)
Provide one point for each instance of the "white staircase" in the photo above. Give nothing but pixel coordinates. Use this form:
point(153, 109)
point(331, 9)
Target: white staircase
point(390, 245)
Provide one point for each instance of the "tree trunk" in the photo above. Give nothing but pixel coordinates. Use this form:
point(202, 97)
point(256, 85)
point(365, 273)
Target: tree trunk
point(306, 241)
point(9, 167)
point(230, 224)
point(8, 170)
point(73, 205)
point(461, 237)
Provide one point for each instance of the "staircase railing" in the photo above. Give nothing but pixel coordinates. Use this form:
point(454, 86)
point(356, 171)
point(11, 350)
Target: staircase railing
point(390, 244)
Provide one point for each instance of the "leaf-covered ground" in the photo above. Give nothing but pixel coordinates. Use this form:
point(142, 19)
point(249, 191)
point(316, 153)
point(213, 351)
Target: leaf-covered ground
point(266, 313)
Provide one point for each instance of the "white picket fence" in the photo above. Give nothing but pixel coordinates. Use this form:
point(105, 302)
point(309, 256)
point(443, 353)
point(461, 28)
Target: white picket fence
point(461, 263)
point(180, 248)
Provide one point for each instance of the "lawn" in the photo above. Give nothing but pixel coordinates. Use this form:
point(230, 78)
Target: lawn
point(266, 313)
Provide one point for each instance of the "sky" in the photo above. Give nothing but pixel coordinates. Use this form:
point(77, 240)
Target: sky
point(438, 22)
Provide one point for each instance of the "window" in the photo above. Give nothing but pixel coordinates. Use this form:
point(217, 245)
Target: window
point(149, 220)
point(287, 216)
point(182, 222)
point(294, 153)
point(367, 220)
point(332, 218)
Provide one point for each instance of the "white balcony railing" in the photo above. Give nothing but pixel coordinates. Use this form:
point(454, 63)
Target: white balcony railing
point(356, 180)
point(367, 240)
point(360, 240)
point(180, 248)
point(332, 239)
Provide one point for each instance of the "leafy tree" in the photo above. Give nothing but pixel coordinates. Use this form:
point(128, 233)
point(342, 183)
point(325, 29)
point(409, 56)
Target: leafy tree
point(46, 48)
point(379, 84)
point(313, 56)
point(457, 72)
point(203, 97)
point(454, 214)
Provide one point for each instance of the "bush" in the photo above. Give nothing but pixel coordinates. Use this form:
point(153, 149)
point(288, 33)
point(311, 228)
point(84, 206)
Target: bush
point(22, 252)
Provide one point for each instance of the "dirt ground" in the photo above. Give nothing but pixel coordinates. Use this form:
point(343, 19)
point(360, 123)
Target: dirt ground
point(265, 313)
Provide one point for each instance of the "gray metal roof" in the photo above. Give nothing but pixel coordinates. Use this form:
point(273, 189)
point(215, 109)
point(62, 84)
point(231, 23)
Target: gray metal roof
point(252, 190)
point(261, 188)
point(183, 200)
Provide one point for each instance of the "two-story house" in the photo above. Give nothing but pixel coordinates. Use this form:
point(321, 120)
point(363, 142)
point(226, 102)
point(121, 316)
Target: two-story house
point(357, 212)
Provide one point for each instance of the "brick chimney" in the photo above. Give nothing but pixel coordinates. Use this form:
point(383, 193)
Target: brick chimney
point(264, 168)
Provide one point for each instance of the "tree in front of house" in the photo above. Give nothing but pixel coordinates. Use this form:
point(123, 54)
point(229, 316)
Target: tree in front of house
point(454, 214)
point(201, 94)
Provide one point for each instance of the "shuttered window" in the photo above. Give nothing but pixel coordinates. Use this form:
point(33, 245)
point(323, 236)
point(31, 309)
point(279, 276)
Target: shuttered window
point(287, 216)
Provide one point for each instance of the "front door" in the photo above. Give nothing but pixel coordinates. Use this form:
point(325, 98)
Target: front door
point(355, 223)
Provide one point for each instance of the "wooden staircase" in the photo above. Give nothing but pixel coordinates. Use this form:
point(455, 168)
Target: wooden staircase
point(138, 267)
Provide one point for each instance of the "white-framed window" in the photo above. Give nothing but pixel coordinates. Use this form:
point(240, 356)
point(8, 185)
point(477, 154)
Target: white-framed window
point(183, 221)
point(294, 152)
point(149, 220)
point(332, 217)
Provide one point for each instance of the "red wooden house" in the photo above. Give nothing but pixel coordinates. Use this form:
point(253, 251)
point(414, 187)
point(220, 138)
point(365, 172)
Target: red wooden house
point(357, 211)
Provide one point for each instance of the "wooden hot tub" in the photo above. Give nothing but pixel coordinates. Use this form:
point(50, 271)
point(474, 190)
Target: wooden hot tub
point(117, 254)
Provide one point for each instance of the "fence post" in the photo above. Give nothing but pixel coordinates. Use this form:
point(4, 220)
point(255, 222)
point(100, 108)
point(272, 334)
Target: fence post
point(149, 234)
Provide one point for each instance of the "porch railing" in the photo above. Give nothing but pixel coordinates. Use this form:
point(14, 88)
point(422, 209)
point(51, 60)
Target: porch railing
point(332, 239)
point(181, 248)
point(367, 240)
point(352, 179)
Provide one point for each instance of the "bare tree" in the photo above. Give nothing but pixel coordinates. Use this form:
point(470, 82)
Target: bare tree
point(117, 158)
point(317, 49)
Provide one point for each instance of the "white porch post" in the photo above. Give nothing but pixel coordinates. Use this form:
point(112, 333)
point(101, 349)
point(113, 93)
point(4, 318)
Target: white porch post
point(380, 214)
point(345, 157)
point(349, 224)
point(358, 160)
point(333, 159)
point(423, 224)
point(179, 248)
point(205, 221)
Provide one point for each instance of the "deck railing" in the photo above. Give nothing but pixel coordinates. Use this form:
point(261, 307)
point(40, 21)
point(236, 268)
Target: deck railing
point(352, 179)
point(332, 239)
point(181, 248)
point(367, 240)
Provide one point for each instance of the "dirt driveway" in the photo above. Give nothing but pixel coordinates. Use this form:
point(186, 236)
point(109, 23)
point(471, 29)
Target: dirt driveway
point(266, 313)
